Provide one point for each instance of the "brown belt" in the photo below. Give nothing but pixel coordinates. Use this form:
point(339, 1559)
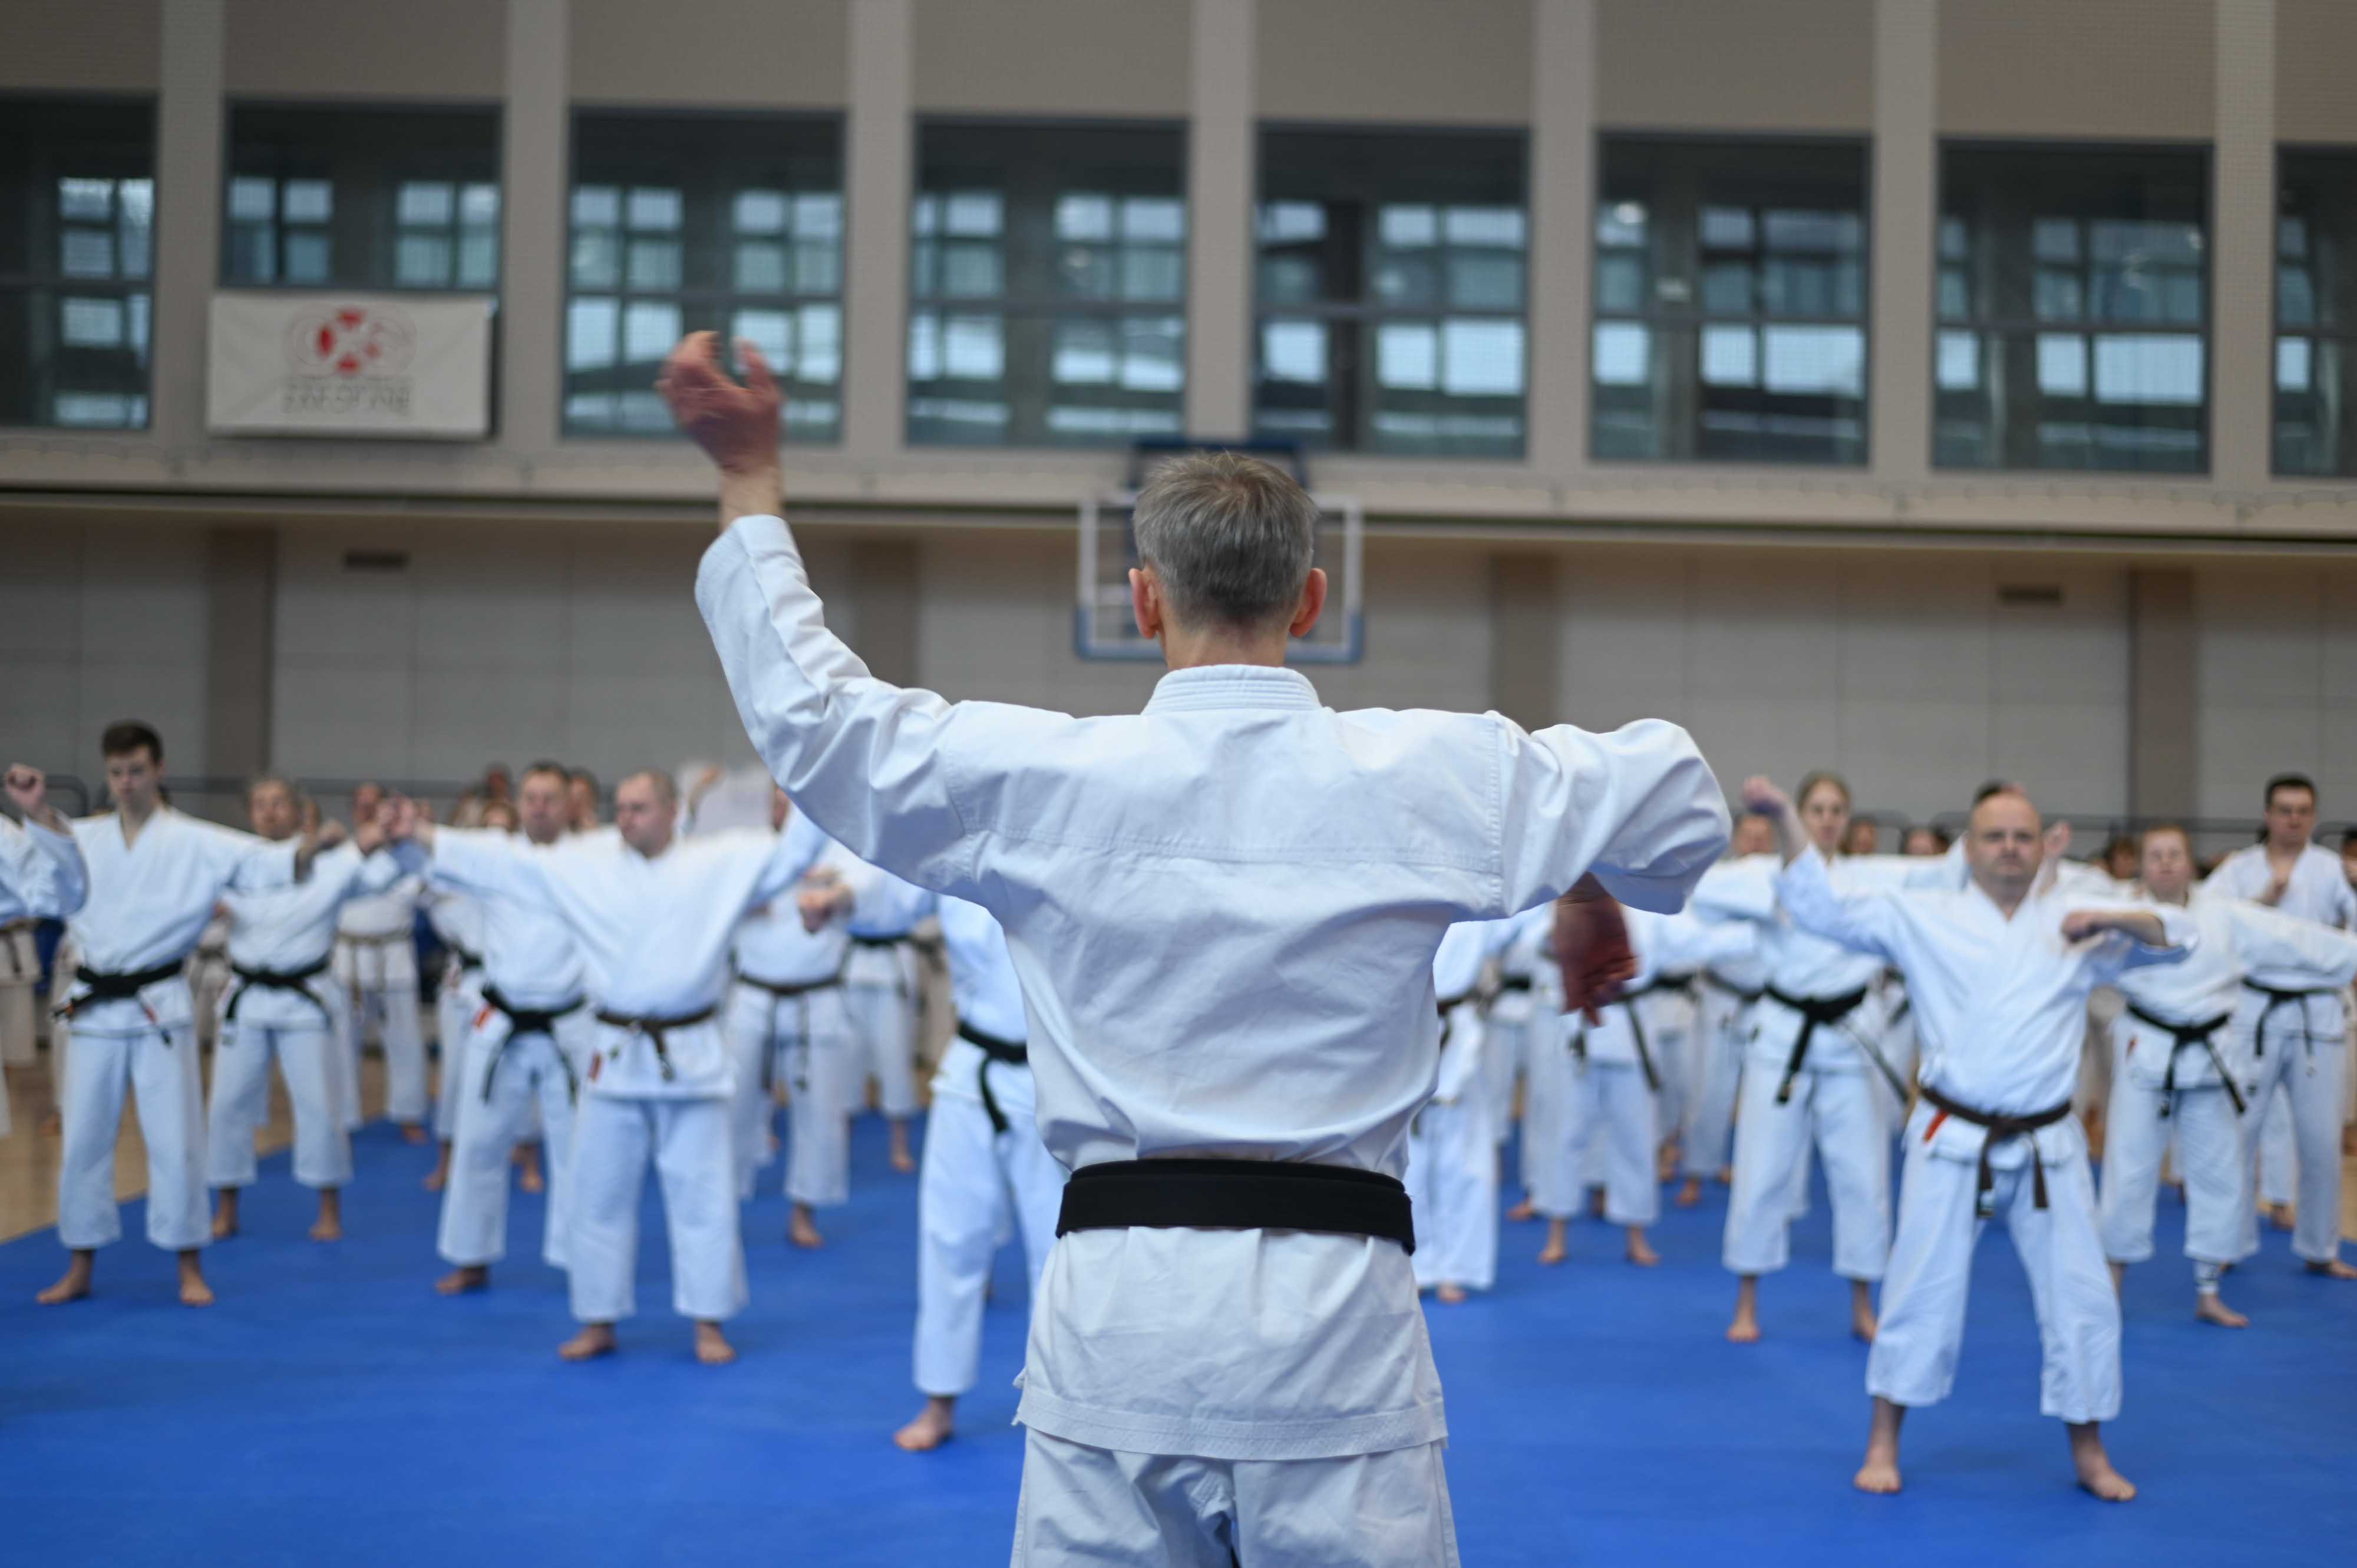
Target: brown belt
point(654, 1029)
point(2001, 1129)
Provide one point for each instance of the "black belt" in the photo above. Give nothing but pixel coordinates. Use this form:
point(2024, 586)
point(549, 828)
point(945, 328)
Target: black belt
point(1514, 982)
point(2280, 999)
point(653, 1028)
point(1449, 1004)
point(2188, 1035)
point(125, 987)
point(2001, 1129)
point(461, 960)
point(295, 979)
point(1813, 1011)
point(1728, 988)
point(527, 1021)
point(803, 988)
point(1237, 1195)
point(859, 941)
point(1008, 1053)
point(1683, 983)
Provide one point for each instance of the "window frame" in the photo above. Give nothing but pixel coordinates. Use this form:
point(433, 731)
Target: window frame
point(2314, 332)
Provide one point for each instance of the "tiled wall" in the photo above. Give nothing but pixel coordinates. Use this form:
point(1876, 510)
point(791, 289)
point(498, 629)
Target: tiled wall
point(2277, 674)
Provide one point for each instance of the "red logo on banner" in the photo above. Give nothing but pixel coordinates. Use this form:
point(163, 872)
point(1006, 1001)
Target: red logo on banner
point(351, 341)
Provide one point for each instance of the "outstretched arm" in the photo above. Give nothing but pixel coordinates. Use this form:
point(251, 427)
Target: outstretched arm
point(1866, 921)
point(43, 863)
point(481, 859)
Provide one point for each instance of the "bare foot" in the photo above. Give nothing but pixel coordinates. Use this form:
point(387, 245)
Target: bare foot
point(801, 1229)
point(712, 1347)
point(1689, 1192)
point(413, 1133)
point(225, 1215)
point(2333, 1270)
point(439, 1177)
point(530, 1176)
point(1641, 1251)
point(1554, 1252)
point(194, 1291)
point(930, 1430)
point(1745, 1329)
point(1522, 1212)
point(460, 1280)
point(2281, 1216)
point(1449, 1295)
point(1596, 1204)
point(1879, 1474)
point(902, 1161)
point(328, 1228)
point(595, 1339)
point(2210, 1309)
point(2094, 1466)
point(72, 1287)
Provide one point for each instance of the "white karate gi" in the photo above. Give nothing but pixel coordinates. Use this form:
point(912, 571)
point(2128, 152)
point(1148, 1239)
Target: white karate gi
point(284, 931)
point(976, 1182)
point(881, 988)
point(2213, 1149)
point(376, 960)
point(802, 1036)
point(457, 920)
point(2304, 1052)
point(41, 878)
point(1452, 1144)
point(2000, 1005)
point(531, 962)
point(1722, 1029)
point(1225, 912)
point(654, 937)
point(1520, 1017)
point(149, 903)
point(1830, 1100)
point(1550, 1181)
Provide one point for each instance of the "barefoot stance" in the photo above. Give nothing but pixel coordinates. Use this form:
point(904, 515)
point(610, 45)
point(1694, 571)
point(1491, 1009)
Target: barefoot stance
point(1641, 1251)
point(458, 1281)
point(413, 1133)
point(1554, 1252)
point(1449, 1296)
point(2210, 1309)
point(803, 1230)
point(1878, 1476)
point(712, 1347)
point(1745, 1329)
point(1690, 1192)
point(72, 1287)
point(1522, 1212)
point(225, 1222)
point(327, 1230)
point(930, 1428)
point(595, 1339)
point(2334, 1269)
point(2098, 1477)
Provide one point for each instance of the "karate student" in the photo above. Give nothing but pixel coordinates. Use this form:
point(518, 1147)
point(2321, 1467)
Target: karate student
point(527, 1044)
point(1550, 1184)
point(881, 988)
point(376, 963)
point(653, 915)
point(2291, 1014)
point(154, 875)
point(1225, 912)
point(1730, 989)
point(1807, 1072)
point(985, 1174)
point(1452, 1143)
point(2178, 1066)
point(1999, 972)
point(581, 794)
point(787, 1011)
point(41, 876)
point(458, 921)
point(280, 1004)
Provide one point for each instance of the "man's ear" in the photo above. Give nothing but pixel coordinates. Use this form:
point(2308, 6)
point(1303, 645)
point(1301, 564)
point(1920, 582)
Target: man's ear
point(1145, 601)
point(1311, 605)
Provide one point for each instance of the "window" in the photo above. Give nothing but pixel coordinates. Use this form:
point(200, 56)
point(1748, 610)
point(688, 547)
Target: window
point(731, 223)
point(350, 198)
point(1391, 272)
point(1047, 284)
point(2073, 309)
point(1730, 302)
point(77, 179)
point(2316, 313)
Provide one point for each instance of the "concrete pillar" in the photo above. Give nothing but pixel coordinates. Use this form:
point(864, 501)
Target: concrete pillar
point(534, 149)
point(1906, 194)
point(1222, 175)
point(242, 580)
point(2163, 718)
point(878, 169)
point(1563, 206)
point(188, 217)
point(1525, 608)
point(2242, 248)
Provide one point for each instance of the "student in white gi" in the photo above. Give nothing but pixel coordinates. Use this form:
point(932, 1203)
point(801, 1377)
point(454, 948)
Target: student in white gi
point(1550, 1190)
point(2290, 1016)
point(1730, 989)
point(1806, 1070)
point(985, 1174)
point(787, 1018)
point(881, 989)
point(2178, 1067)
point(154, 875)
point(279, 1005)
point(1225, 912)
point(458, 921)
point(1452, 1144)
point(653, 915)
point(527, 1043)
point(1999, 972)
point(376, 962)
point(41, 876)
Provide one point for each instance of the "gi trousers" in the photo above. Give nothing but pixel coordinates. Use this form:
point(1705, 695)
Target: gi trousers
point(1506, 1043)
point(403, 1042)
point(240, 1103)
point(164, 1080)
point(973, 1186)
point(688, 1143)
point(1097, 1508)
point(806, 1042)
point(454, 1022)
point(2210, 1156)
point(883, 1021)
point(1550, 1180)
point(1452, 1188)
point(530, 1070)
point(1838, 1112)
point(1611, 1101)
point(1704, 1141)
point(2309, 1073)
point(1922, 1322)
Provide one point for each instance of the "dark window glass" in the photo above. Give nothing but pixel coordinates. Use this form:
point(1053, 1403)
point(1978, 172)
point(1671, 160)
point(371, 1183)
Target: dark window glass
point(1047, 284)
point(1393, 269)
point(2073, 304)
point(1730, 301)
point(358, 198)
point(2316, 313)
point(76, 219)
point(681, 223)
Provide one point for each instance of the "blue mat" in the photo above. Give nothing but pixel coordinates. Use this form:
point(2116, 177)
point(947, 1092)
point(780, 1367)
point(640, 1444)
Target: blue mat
point(332, 1410)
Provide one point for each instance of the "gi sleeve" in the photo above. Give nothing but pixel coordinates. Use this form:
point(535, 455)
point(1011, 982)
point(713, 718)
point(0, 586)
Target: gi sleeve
point(2268, 939)
point(484, 860)
point(245, 861)
point(790, 855)
point(1737, 890)
point(2123, 952)
point(44, 869)
point(1637, 807)
point(1866, 921)
point(871, 762)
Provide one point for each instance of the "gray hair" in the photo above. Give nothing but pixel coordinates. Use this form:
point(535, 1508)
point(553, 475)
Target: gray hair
point(1230, 537)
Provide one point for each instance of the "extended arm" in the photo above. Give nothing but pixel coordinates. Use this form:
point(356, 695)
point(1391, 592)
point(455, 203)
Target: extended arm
point(2267, 938)
point(1636, 810)
point(481, 860)
point(1863, 921)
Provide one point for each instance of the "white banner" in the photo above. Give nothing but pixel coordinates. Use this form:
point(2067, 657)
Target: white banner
point(351, 364)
